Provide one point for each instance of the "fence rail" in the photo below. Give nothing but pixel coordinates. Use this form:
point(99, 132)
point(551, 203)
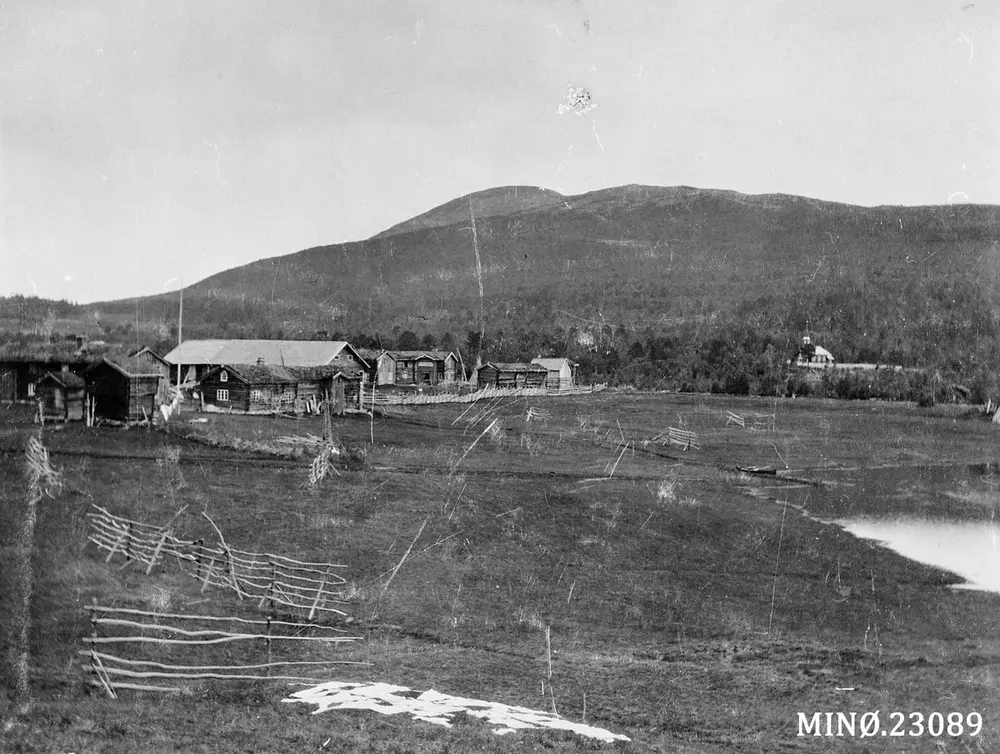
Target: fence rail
point(680, 437)
point(107, 669)
point(404, 399)
point(313, 587)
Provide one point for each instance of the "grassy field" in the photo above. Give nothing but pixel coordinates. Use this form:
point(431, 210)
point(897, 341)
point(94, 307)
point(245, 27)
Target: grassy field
point(685, 606)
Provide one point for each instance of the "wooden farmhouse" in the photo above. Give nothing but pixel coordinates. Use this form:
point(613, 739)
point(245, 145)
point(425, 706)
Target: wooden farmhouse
point(509, 375)
point(417, 368)
point(561, 372)
point(197, 357)
point(125, 390)
point(268, 389)
point(62, 396)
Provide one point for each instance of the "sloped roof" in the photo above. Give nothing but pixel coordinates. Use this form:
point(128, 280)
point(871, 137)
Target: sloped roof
point(195, 352)
point(256, 374)
point(304, 353)
point(514, 366)
point(411, 355)
point(130, 367)
point(66, 379)
point(370, 355)
point(552, 364)
point(150, 351)
point(822, 353)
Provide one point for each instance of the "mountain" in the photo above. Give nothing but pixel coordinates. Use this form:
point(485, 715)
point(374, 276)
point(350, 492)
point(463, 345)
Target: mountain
point(610, 269)
point(497, 201)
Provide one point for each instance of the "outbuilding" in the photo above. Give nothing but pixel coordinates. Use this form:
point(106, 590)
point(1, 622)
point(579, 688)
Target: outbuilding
point(561, 372)
point(61, 396)
point(511, 375)
point(124, 390)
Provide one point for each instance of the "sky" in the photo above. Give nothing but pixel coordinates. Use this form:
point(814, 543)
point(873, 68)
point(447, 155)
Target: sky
point(145, 143)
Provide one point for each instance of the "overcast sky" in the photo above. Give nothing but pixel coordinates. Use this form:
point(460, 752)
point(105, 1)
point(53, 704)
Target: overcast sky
point(142, 141)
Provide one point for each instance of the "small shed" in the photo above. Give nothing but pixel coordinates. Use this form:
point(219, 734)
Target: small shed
point(62, 396)
point(124, 389)
point(561, 372)
point(511, 375)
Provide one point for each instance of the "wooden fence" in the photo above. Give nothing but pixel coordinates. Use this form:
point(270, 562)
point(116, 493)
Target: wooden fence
point(309, 587)
point(680, 437)
point(143, 631)
point(398, 399)
point(757, 422)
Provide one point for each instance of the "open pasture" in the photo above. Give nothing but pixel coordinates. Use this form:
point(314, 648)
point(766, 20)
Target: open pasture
point(569, 557)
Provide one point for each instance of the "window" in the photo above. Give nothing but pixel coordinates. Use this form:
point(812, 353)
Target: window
point(256, 395)
point(223, 376)
point(222, 395)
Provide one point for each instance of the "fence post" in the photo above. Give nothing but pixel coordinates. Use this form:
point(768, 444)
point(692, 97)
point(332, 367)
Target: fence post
point(200, 544)
point(128, 544)
point(268, 642)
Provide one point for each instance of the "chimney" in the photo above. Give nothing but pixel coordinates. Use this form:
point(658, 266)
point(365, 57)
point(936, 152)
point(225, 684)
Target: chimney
point(260, 361)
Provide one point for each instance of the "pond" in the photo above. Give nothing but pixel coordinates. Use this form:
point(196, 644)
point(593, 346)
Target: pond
point(970, 549)
point(944, 516)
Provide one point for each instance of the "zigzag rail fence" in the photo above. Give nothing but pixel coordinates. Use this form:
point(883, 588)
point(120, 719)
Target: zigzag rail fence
point(113, 672)
point(396, 399)
point(680, 437)
point(308, 587)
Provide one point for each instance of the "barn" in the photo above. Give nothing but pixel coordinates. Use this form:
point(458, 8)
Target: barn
point(61, 396)
point(510, 375)
point(561, 372)
point(268, 389)
point(124, 389)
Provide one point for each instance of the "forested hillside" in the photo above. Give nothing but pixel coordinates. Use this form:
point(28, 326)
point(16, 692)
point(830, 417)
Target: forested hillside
point(657, 287)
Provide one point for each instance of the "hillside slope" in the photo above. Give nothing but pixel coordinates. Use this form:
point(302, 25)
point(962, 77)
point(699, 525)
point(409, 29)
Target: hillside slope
point(612, 268)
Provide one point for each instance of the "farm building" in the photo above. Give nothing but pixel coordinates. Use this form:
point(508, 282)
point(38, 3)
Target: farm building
point(197, 357)
point(62, 396)
point(415, 367)
point(19, 374)
point(148, 356)
point(126, 390)
point(381, 368)
point(502, 374)
point(268, 389)
point(562, 372)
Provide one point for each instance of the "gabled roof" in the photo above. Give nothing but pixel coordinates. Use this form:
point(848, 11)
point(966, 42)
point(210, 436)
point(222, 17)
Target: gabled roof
point(151, 352)
point(66, 379)
point(553, 364)
point(303, 353)
point(514, 366)
point(195, 352)
point(130, 367)
point(413, 355)
point(371, 355)
point(255, 374)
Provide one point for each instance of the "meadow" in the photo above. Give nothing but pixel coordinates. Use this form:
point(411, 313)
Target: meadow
point(552, 553)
